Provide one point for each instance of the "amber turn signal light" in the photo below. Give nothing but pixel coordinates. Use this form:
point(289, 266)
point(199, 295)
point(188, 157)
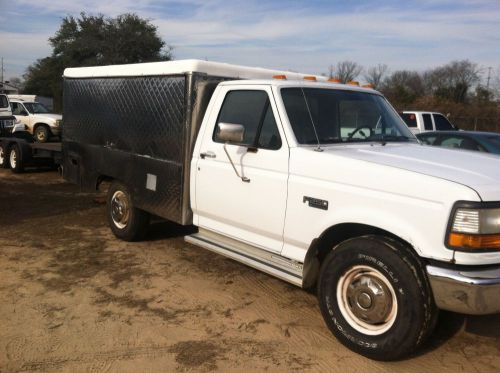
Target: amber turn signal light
point(474, 241)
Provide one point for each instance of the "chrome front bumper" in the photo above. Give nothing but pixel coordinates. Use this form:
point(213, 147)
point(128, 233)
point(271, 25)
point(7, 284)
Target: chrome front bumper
point(475, 292)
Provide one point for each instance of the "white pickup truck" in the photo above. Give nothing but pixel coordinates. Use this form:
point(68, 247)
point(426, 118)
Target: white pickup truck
point(317, 183)
point(423, 121)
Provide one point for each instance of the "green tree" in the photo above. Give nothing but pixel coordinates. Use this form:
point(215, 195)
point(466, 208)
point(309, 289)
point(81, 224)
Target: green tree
point(94, 41)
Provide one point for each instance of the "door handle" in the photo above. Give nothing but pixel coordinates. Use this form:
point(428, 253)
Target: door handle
point(208, 154)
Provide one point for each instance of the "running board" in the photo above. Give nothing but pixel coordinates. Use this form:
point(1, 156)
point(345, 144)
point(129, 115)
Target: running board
point(265, 261)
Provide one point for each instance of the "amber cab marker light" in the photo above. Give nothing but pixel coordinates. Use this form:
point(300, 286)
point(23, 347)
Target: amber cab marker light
point(279, 77)
point(474, 241)
point(369, 86)
point(353, 82)
point(333, 80)
point(311, 78)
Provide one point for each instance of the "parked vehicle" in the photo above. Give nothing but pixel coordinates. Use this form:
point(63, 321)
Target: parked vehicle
point(488, 142)
point(48, 102)
point(38, 120)
point(7, 120)
point(422, 121)
point(316, 183)
point(18, 151)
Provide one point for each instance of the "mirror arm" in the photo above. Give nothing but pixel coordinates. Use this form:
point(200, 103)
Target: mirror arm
point(243, 178)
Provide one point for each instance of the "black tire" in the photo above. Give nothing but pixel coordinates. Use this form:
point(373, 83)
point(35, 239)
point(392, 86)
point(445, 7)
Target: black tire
point(388, 280)
point(41, 133)
point(4, 157)
point(16, 163)
point(127, 222)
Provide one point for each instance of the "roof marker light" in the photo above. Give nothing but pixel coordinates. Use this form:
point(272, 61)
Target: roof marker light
point(353, 82)
point(279, 77)
point(335, 80)
point(369, 86)
point(311, 78)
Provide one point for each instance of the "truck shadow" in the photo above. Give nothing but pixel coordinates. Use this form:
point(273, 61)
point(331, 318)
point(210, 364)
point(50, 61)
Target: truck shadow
point(450, 324)
point(160, 229)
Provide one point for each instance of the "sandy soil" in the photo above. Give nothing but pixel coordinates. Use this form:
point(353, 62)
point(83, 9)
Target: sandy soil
point(75, 299)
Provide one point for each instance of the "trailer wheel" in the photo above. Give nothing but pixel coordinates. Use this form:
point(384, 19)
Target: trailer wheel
point(126, 221)
point(375, 297)
point(16, 159)
point(41, 133)
point(4, 157)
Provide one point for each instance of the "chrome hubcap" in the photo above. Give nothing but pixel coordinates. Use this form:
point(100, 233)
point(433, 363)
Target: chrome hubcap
point(120, 209)
point(367, 300)
point(13, 159)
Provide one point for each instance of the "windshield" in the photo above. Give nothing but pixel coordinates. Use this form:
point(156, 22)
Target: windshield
point(340, 116)
point(36, 108)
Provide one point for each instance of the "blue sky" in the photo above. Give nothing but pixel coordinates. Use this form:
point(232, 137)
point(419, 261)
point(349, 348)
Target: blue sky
point(305, 36)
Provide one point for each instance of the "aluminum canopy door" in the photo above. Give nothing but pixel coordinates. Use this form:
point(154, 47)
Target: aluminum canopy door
point(249, 207)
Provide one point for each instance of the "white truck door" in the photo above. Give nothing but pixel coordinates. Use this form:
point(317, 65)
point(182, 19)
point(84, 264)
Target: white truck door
point(251, 211)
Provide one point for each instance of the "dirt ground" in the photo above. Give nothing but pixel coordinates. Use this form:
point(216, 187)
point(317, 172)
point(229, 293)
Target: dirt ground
point(75, 299)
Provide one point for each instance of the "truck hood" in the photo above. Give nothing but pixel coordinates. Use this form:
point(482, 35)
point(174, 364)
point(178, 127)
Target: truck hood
point(476, 170)
point(48, 115)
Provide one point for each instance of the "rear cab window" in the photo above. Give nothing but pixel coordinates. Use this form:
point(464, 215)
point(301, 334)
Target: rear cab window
point(4, 102)
point(410, 119)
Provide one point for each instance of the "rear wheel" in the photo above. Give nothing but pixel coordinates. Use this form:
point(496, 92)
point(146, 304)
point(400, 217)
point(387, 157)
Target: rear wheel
point(4, 157)
point(16, 159)
point(41, 133)
point(375, 297)
point(126, 221)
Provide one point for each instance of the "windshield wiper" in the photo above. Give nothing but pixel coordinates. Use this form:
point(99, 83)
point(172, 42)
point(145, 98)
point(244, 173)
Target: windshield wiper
point(391, 138)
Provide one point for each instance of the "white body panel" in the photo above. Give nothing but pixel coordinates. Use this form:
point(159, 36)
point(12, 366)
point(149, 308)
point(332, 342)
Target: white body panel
point(253, 212)
point(33, 119)
point(403, 188)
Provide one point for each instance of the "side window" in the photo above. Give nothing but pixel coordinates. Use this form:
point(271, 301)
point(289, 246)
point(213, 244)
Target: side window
point(427, 122)
point(251, 109)
point(429, 140)
point(452, 142)
point(16, 108)
point(442, 124)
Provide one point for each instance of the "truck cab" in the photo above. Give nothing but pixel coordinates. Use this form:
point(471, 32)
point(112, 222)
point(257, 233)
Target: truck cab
point(7, 120)
point(38, 120)
point(423, 121)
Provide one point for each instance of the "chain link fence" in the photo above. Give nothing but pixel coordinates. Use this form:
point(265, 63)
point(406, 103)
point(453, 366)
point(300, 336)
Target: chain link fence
point(489, 124)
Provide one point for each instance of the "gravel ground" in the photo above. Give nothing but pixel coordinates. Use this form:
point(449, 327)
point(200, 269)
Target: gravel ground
point(75, 299)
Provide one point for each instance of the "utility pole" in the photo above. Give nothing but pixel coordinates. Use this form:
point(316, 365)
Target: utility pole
point(487, 82)
point(1, 81)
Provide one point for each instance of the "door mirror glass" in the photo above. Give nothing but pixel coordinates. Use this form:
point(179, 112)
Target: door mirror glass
point(231, 133)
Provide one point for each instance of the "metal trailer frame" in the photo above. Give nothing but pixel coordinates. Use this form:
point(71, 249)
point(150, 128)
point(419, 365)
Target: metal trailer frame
point(139, 130)
point(32, 154)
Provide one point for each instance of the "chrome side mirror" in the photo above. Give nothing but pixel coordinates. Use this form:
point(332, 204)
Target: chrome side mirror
point(229, 132)
point(232, 133)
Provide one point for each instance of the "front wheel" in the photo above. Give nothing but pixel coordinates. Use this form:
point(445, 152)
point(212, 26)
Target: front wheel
point(375, 297)
point(126, 221)
point(41, 133)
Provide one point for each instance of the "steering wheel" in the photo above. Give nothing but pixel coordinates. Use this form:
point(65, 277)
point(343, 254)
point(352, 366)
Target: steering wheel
point(361, 132)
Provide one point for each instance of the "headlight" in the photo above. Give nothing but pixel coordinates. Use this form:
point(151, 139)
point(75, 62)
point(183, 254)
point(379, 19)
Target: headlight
point(58, 122)
point(17, 121)
point(474, 228)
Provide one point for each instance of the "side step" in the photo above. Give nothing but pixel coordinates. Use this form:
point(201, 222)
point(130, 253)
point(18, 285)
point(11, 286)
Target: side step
point(265, 261)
